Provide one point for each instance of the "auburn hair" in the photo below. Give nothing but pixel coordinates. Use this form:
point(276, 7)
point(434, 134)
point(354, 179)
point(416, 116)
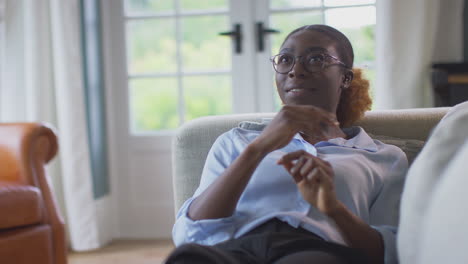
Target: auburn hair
point(354, 100)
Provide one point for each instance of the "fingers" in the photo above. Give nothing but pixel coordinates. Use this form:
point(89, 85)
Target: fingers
point(313, 174)
point(319, 176)
point(294, 168)
point(301, 164)
point(325, 167)
point(297, 163)
point(307, 167)
point(315, 123)
point(316, 184)
point(291, 156)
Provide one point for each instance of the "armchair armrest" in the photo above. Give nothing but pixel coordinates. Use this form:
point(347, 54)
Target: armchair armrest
point(25, 149)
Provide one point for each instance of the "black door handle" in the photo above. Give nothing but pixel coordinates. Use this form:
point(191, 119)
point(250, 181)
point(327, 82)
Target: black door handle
point(261, 32)
point(237, 35)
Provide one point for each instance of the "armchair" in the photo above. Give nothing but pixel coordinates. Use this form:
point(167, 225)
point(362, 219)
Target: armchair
point(194, 139)
point(408, 129)
point(31, 228)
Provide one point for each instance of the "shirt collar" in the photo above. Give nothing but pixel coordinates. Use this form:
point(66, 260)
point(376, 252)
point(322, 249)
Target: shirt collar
point(358, 138)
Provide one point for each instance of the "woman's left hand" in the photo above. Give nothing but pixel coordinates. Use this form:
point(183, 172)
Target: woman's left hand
point(314, 178)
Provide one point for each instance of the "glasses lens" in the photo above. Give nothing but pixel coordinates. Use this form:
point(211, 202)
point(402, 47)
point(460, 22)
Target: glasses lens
point(314, 62)
point(283, 62)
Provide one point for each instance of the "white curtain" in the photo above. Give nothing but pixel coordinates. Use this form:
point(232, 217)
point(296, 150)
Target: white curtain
point(43, 81)
point(411, 35)
point(2, 40)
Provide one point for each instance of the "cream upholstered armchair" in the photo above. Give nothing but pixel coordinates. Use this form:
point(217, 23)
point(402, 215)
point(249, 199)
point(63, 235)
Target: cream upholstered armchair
point(407, 128)
point(31, 229)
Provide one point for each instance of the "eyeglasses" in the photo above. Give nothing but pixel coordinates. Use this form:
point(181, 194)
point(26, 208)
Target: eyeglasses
point(313, 62)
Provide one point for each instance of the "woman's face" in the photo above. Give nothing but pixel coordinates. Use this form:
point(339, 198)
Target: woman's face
point(300, 87)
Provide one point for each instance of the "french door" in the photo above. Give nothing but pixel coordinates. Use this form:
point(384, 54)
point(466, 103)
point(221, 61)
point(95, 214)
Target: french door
point(170, 61)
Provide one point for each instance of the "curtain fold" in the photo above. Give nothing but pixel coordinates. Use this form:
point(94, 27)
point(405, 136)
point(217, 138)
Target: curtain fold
point(411, 35)
point(44, 82)
point(2, 40)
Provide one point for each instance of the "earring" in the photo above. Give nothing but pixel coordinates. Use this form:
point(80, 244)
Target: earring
point(344, 86)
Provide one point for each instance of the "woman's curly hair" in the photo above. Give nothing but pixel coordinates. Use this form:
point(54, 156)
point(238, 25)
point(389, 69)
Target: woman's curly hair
point(354, 101)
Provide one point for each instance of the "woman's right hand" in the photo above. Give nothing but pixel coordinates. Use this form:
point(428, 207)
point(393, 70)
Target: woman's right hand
point(291, 119)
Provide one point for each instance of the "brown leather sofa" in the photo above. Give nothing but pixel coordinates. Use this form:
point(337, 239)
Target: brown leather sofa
point(31, 228)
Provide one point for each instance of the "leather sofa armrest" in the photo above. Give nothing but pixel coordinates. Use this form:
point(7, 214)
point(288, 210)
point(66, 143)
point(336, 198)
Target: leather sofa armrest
point(25, 149)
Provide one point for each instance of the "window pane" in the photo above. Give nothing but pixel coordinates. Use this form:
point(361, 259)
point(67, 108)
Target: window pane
point(370, 74)
point(350, 17)
point(294, 3)
point(347, 2)
point(151, 46)
point(153, 104)
point(202, 47)
point(207, 95)
point(205, 4)
point(363, 41)
point(133, 7)
point(287, 22)
point(358, 24)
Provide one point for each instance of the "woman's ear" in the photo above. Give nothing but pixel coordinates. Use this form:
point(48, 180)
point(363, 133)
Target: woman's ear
point(347, 79)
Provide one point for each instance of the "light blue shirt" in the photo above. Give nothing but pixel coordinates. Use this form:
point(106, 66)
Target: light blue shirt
point(369, 177)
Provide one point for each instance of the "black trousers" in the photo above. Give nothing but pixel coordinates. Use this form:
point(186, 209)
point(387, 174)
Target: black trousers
point(273, 242)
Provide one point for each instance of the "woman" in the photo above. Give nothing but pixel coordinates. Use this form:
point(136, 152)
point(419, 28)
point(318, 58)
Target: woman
point(303, 189)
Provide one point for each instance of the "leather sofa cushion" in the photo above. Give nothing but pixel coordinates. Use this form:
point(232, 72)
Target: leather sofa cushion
point(20, 205)
point(28, 245)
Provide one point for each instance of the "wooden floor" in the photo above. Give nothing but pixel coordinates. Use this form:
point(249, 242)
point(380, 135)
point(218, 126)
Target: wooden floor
point(125, 252)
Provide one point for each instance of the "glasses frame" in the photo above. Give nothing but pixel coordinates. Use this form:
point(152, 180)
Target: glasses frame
point(325, 64)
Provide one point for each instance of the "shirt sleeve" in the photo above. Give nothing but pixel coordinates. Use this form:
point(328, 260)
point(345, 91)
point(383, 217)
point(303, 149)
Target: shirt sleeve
point(388, 234)
point(208, 231)
point(384, 211)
